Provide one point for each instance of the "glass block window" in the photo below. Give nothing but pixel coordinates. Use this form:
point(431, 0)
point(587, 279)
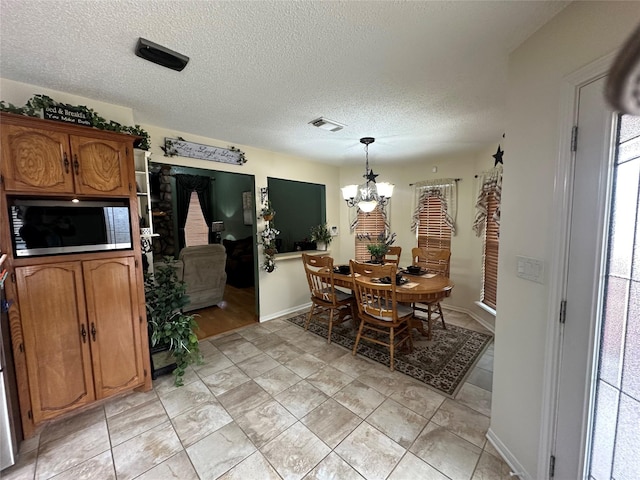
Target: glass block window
point(616, 431)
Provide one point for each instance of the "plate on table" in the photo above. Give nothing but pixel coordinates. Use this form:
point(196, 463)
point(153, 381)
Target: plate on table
point(422, 271)
point(342, 269)
point(387, 280)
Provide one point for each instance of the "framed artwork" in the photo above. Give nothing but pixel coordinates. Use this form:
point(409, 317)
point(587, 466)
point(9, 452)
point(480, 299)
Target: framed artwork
point(247, 207)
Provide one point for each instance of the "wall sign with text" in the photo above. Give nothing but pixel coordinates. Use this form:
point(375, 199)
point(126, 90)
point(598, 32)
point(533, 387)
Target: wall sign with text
point(60, 113)
point(179, 146)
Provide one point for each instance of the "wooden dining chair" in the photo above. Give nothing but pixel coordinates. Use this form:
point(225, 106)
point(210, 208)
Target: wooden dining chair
point(393, 255)
point(379, 312)
point(325, 298)
point(433, 261)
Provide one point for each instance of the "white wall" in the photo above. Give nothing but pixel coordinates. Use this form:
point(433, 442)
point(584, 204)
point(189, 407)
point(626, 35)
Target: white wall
point(581, 33)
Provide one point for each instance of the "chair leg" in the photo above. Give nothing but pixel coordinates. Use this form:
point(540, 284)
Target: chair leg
point(306, 324)
point(330, 325)
point(391, 347)
point(355, 346)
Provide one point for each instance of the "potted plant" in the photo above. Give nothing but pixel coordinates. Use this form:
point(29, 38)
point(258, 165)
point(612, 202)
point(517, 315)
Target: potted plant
point(322, 236)
point(267, 212)
point(380, 247)
point(169, 328)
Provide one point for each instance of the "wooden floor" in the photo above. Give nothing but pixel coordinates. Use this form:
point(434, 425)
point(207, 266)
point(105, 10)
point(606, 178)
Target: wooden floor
point(239, 311)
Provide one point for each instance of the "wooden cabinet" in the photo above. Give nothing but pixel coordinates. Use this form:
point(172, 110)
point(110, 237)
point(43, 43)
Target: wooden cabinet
point(114, 324)
point(78, 322)
point(49, 161)
point(81, 328)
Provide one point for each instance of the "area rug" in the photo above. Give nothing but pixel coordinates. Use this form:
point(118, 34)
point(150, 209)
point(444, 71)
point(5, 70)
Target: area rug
point(442, 363)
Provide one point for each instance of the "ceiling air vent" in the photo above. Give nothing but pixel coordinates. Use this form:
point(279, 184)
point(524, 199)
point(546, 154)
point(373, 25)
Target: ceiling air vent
point(326, 124)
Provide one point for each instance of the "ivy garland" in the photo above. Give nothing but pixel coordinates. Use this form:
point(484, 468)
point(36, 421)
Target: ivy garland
point(39, 103)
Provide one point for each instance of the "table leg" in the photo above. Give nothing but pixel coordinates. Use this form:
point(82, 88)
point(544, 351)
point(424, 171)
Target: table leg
point(416, 322)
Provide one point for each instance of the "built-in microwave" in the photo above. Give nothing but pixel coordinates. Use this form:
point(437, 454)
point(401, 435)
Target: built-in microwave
point(53, 227)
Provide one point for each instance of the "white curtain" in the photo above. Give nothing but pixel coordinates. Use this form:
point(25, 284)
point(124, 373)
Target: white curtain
point(490, 181)
point(446, 189)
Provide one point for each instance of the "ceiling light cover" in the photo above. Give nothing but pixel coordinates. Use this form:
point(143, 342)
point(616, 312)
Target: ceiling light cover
point(161, 55)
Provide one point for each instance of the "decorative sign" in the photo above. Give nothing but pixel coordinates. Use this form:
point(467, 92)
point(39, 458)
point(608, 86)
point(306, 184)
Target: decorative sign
point(67, 114)
point(179, 146)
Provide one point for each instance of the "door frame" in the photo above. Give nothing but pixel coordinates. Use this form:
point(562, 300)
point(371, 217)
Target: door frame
point(563, 192)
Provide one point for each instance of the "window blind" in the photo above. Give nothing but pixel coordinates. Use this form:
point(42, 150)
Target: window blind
point(490, 263)
point(196, 230)
point(371, 225)
point(433, 231)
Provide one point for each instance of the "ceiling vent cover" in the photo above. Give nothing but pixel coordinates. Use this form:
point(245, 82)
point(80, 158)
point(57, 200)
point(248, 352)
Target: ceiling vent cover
point(326, 124)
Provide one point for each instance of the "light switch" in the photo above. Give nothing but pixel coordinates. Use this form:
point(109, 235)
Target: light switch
point(530, 269)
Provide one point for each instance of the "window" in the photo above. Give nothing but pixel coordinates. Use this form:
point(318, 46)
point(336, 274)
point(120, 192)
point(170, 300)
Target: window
point(196, 230)
point(487, 223)
point(370, 225)
point(433, 231)
point(490, 254)
point(299, 206)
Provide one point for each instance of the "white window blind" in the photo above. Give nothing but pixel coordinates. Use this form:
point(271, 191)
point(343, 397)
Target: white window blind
point(196, 230)
point(433, 231)
point(369, 225)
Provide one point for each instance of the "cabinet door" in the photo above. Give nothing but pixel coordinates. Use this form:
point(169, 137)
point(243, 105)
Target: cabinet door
point(56, 340)
point(35, 160)
point(114, 324)
point(100, 166)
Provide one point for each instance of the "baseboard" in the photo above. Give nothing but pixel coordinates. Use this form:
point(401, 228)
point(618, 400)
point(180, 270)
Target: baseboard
point(476, 317)
point(288, 311)
point(517, 470)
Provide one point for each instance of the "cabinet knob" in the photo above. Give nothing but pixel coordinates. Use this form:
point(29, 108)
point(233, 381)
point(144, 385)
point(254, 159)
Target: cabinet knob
point(93, 331)
point(83, 331)
point(65, 160)
point(76, 164)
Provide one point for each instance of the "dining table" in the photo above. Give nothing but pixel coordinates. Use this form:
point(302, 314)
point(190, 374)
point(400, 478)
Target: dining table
point(418, 288)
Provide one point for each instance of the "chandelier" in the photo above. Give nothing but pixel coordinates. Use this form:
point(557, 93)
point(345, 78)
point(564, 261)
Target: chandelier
point(369, 194)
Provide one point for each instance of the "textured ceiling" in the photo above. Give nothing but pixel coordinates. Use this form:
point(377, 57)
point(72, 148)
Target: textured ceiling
point(424, 78)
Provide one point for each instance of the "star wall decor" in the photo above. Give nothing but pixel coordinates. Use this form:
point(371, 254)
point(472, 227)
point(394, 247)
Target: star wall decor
point(498, 156)
point(371, 177)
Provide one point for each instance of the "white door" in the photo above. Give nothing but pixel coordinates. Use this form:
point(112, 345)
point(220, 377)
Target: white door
point(598, 409)
point(585, 273)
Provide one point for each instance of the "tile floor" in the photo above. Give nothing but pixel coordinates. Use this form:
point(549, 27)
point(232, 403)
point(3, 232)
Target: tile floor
point(274, 402)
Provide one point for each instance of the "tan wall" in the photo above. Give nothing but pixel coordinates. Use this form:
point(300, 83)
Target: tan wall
point(466, 248)
point(285, 289)
point(580, 34)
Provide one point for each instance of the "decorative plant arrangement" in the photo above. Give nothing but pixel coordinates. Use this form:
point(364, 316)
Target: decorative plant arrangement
point(267, 238)
point(322, 236)
point(38, 104)
point(380, 247)
point(267, 212)
point(165, 298)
